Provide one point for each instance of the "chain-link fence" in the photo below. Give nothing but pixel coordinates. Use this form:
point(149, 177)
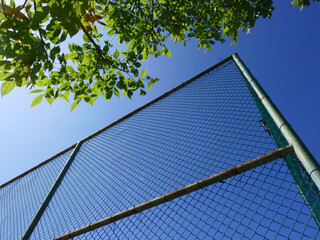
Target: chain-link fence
point(21, 199)
point(207, 125)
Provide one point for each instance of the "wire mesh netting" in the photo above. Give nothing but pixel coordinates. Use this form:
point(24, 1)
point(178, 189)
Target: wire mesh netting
point(203, 128)
point(307, 187)
point(260, 204)
point(21, 199)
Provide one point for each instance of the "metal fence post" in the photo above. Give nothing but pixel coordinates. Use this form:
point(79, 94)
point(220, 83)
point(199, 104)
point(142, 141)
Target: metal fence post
point(304, 155)
point(53, 189)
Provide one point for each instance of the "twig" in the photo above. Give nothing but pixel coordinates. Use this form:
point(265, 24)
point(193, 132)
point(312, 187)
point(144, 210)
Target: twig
point(24, 4)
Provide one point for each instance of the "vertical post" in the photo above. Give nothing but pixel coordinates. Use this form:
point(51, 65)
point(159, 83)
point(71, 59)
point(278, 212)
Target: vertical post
point(53, 189)
point(304, 155)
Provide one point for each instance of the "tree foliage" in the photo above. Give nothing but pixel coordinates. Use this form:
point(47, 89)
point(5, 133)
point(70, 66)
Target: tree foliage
point(40, 47)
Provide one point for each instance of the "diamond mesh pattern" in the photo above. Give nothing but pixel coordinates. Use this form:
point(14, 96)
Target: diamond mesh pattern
point(205, 127)
point(21, 199)
point(260, 204)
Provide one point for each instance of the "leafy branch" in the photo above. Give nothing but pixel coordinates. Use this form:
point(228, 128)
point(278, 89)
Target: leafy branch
point(142, 28)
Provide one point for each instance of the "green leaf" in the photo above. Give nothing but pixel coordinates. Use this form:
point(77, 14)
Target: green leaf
point(5, 65)
point(54, 51)
point(137, 64)
point(87, 99)
point(143, 73)
point(142, 92)
point(12, 4)
point(6, 76)
point(129, 94)
point(6, 87)
point(49, 100)
point(37, 91)
point(69, 68)
point(74, 105)
point(116, 54)
point(64, 98)
point(40, 84)
point(39, 16)
point(85, 38)
point(116, 92)
point(149, 86)
point(66, 94)
point(71, 55)
point(36, 101)
point(168, 53)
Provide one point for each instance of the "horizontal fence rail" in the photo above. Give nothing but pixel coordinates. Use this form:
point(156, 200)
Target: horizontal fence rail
point(280, 153)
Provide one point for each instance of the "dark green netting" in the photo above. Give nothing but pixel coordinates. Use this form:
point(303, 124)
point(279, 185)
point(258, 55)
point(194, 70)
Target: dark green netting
point(205, 127)
point(308, 189)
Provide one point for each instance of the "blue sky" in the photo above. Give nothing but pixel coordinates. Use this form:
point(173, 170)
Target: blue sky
point(282, 53)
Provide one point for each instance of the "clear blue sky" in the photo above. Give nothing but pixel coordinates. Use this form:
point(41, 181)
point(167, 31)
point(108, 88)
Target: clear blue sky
point(282, 53)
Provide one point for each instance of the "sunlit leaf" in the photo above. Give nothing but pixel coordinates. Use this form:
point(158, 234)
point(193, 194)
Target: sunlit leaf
point(74, 105)
point(71, 55)
point(116, 54)
point(143, 73)
point(168, 53)
point(49, 100)
point(36, 101)
point(116, 92)
point(7, 87)
point(37, 91)
point(64, 98)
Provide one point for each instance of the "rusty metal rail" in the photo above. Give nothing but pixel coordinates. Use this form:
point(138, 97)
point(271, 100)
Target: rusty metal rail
point(280, 153)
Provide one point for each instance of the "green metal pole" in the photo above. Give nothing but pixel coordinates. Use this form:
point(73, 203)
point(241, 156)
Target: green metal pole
point(53, 189)
point(306, 158)
point(280, 153)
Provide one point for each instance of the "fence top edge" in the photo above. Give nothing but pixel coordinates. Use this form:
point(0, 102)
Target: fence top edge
point(123, 118)
point(37, 166)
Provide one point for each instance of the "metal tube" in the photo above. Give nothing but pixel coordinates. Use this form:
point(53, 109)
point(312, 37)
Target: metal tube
point(52, 191)
point(306, 158)
point(282, 152)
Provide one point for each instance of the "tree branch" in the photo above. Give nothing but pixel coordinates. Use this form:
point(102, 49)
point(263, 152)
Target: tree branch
point(5, 14)
point(42, 41)
point(97, 47)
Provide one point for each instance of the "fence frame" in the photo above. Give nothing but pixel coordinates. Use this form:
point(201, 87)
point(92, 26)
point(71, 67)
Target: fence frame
point(295, 146)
